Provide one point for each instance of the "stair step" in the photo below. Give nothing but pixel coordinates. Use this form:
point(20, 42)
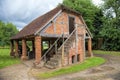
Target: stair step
point(56, 59)
point(59, 52)
point(54, 64)
point(49, 66)
point(57, 56)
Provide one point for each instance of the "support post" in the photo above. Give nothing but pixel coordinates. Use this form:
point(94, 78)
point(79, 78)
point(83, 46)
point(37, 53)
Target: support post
point(16, 48)
point(24, 50)
point(90, 47)
point(12, 48)
point(63, 52)
point(55, 47)
point(38, 49)
point(76, 43)
point(33, 46)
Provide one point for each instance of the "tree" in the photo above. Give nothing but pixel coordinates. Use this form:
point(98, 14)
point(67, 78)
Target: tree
point(111, 30)
point(92, 15)
point(6, 31)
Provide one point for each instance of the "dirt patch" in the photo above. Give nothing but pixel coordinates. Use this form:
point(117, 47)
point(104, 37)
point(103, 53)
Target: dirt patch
point(101, 69)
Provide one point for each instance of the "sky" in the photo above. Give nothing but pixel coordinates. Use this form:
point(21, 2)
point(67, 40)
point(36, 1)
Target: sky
point(22, 12)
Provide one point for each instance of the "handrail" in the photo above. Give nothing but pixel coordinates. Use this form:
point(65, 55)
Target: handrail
point(67, 38)
point(50, 48)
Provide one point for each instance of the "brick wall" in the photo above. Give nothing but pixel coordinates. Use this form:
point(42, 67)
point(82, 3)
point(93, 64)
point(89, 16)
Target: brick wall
point(61, 24)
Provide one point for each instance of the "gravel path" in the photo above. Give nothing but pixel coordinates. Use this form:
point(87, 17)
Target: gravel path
point(16, 72)
point(108, 71)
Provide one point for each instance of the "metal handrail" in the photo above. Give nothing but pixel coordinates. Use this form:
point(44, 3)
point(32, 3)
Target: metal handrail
point(50, 47)
point(67, 38)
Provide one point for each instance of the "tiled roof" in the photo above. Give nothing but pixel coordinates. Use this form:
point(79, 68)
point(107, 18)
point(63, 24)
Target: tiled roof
point(38, 23)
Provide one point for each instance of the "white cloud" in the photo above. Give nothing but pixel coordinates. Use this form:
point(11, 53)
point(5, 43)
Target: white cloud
point(21, 12)
point(97, 2)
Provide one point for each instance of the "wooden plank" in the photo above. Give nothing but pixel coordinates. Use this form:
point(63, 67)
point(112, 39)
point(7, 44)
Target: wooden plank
point(63, 52)
point(76, 43)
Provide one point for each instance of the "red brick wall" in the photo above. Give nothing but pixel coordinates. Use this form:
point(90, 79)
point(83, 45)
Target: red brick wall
point(61, 24)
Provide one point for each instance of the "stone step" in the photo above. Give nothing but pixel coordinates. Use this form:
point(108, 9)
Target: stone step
point(59, 52)
point(57, 56)
point(49, 66)
point(54, 64)
point(56, 60)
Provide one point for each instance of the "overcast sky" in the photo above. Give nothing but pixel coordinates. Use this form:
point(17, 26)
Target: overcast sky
point(22, 12)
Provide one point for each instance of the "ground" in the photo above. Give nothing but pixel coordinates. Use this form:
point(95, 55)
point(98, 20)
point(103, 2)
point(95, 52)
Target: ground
point(107, 71)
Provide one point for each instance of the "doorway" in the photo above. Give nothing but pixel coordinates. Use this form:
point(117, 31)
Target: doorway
point(71, 24)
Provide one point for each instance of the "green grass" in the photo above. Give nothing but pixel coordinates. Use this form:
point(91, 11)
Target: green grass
point(115, 53)
point(88, 63)
point(6, 59)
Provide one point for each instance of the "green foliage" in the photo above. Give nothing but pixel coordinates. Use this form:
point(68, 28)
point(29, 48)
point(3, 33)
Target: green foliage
point(89, 11)
point(6, 59)
point(111, 30)
point(6, 31)
point(90, 62)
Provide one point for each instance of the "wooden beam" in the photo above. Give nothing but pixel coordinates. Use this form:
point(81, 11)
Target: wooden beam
point(16, 48)
point(63, 52)
point(12, 48)
point(76, 42)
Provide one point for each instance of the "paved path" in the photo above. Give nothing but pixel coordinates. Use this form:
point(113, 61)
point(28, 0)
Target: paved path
point(108, 71)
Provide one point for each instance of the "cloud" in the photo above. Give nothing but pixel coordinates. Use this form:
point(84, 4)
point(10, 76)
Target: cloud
point(97, 2)
point(22, 12)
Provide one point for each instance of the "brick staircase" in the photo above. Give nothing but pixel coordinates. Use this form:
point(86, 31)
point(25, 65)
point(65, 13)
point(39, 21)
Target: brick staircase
point(55, 61)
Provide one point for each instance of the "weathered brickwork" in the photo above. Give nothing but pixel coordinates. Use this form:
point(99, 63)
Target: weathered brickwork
point(24, 50)
point(38, 49)
point(61, 25)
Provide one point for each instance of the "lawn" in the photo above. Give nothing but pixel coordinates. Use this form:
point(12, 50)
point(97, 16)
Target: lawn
point(6, 59)
point(115, 53)
point(88, 63)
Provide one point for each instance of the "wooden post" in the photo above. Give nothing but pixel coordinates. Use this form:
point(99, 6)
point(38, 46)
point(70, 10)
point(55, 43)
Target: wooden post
point(55, 47)
point(24, 50)
point(12, 48)
point(76, 43)
point(84, 47)
point(16, 48)
point(63, 52)
point(90, 47)
point(33, 46)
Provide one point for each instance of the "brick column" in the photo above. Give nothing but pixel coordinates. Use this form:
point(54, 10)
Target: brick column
point(12, 48)
point(90, 47)
point(24, 50)
point(38, 49)
point(16, 48)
